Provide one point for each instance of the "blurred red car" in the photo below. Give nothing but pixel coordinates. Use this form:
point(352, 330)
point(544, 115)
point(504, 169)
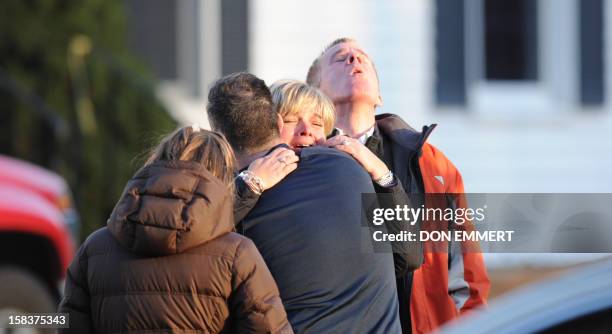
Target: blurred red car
point(38, 228)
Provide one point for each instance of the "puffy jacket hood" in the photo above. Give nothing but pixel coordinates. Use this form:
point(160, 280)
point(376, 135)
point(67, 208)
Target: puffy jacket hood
point(171, 206)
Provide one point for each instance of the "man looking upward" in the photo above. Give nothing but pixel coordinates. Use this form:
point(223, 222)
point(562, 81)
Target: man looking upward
point(449, 283)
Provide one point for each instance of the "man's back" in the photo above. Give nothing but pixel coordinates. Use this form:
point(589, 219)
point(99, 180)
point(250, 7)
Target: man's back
point(308, 229)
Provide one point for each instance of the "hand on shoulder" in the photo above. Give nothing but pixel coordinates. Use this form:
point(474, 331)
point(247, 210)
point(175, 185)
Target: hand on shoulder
point(370, 162)
point(272, 168)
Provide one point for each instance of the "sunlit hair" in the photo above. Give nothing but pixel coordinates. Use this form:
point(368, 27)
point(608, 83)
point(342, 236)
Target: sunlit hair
point(191, 143)
point(291, 96)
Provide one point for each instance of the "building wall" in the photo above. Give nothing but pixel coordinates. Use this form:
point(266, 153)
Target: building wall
point(528, 146)
point(286, 37)
point(507, 140)
point(531, 150)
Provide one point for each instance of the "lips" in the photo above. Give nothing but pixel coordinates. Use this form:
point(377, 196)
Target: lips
point(301, 143)
point(356, 70)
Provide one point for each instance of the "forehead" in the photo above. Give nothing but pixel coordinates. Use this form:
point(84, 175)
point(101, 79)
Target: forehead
point(304, 111)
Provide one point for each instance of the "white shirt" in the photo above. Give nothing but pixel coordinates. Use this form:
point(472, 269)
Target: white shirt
point(363, 138)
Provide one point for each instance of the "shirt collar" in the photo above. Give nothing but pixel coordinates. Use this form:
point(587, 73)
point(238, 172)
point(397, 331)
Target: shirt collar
point(363, 138)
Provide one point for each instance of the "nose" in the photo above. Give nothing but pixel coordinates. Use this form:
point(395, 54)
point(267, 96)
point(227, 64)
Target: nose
point(354, 57)
point(304, 128)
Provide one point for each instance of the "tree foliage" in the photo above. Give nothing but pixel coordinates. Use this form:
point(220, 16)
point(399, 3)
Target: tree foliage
point(74, 100)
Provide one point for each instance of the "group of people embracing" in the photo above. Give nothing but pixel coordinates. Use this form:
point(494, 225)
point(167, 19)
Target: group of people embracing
point(256, 226)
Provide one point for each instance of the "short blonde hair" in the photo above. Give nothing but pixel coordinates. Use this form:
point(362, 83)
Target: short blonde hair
point(291, 96)
point(191, 143)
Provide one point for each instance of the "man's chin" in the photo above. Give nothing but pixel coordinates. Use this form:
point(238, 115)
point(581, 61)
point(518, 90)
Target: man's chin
point(358, 97)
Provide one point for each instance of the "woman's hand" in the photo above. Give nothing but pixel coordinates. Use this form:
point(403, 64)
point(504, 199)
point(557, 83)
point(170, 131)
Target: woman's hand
point(273, 167)
point(370, 162)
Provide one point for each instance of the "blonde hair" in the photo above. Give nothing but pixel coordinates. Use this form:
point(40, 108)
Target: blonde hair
point(291, 96)
point(191, 143)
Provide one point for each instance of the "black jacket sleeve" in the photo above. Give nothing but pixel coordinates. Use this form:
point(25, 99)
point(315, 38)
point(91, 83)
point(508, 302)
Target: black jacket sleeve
point(244, 201)
point(407, 255)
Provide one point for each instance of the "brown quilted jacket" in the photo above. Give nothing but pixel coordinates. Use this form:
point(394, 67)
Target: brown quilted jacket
point(168, 262)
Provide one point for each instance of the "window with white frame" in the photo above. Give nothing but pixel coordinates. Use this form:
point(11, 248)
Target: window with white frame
point(519, 56)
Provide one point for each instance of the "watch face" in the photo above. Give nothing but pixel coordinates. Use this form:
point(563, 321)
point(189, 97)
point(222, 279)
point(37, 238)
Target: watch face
point(252, 181)
point(245, 176)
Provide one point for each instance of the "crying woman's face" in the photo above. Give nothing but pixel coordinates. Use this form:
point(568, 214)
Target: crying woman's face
point(303, 129)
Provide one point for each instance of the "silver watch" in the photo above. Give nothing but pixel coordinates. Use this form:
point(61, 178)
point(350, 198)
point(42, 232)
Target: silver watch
point(386, 180)
point(252, 181)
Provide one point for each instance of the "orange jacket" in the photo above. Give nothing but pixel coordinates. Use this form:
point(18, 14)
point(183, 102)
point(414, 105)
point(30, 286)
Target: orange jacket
point(448, 283)
point(444, 288)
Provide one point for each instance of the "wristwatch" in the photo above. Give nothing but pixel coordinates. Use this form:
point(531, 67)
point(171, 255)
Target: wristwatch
point(252, 180)
point(386, 180)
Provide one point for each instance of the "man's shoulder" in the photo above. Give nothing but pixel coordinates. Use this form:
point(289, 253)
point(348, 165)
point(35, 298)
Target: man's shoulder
point(330, 166)
point(389, 121)
point(402, 134)
point(399, 133)
point(434, 155)
point(310, 152)
point(320, 156)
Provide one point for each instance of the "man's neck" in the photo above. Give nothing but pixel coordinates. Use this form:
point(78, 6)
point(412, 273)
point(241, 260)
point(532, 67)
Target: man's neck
point(354, 119)
point(245, 159)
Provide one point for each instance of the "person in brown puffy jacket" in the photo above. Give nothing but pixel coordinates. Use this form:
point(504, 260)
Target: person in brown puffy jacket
point(168, 261)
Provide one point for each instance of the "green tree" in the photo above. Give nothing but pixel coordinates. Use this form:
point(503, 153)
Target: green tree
point(73, 98)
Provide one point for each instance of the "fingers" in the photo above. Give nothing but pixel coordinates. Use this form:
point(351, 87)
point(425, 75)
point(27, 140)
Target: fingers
point(291, 158)
point(273, 167)
point(338, 140)
point(280, 151)
point(283, 154)
point(276, 157)
point(320, 141)
point(288, 168)
point(287, 164)
point(350, 149)
point(345, 144)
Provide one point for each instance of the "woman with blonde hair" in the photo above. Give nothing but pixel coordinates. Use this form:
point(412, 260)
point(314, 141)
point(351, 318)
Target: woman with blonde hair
point(168, 260)
point(308, 117)
point(308, 114)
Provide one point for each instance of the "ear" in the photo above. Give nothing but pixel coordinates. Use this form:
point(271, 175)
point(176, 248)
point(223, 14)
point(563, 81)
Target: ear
point(280, 123)
point(379, 101)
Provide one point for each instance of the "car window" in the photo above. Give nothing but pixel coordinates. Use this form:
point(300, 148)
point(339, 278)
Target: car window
point(594, 323)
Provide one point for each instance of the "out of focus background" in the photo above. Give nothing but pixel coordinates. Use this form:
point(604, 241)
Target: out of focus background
point(520, 90)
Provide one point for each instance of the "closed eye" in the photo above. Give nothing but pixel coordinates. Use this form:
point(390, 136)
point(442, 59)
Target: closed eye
point(341, 57)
